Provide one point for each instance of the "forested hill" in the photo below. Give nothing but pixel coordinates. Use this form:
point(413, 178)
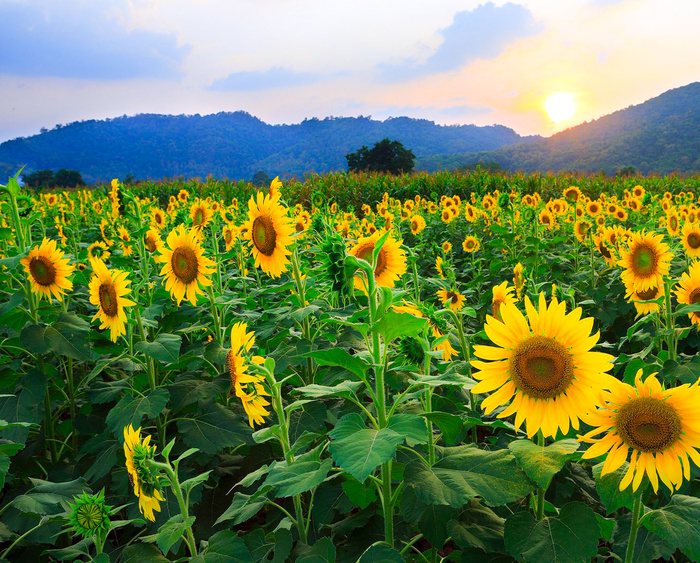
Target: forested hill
point(233, 145)
point(660, 135)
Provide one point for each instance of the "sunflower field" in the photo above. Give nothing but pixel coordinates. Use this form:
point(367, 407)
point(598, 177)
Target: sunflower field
point(447, 367)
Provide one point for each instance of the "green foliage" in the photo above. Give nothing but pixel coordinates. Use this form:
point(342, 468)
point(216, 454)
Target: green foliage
point(385, 156)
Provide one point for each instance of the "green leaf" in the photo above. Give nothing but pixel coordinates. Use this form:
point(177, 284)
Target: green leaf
point(244, 507)
point(217, 428)
point(606, 527)
point(688, 372)
point(80, 549)
point(451, 426)
point(142, 553)
point(608, 488)
point(343, 389)
point(380, 553)
point(192, 482)
point(393, 324)
point(647, 547)
point(340, 357)
point(297, 478)
point(411, 426)
point(542, 463)
point(569, 537)
point(477, 526)
point(677, 523)
point(358, 449)
point(131, 410)
point(27, 406)
point(104, 461)
point(465, 472)
point(4, 468)
point(165, 348)
point(360, 494)
point(323, 551)
point(171, 532)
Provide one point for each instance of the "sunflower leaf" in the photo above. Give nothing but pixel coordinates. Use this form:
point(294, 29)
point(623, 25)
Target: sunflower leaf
point(165, 348)
point(542, 463)
point(608, 488)
point(677, 523)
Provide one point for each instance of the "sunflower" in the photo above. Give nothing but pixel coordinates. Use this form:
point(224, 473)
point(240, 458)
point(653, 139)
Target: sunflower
point(572, 193)
point(184, 266)
point(453, 298)
point(438, 267)
point(248, 387)
point(158, 218)
point(660, 426)
point(230, 235)
point(447, 215)
point(646, 259)
point(672, 223)
point(447, 247)
point(183, 196)
point(582, 230)
point(547, 219)
point(593, 208)
point(147, 485)
point(607, 253)
point(691, 239)
point(108, 289)
point(544, 370)
point(417, 224)
point(518, 279)
point(650, 294)
point(688, 290)
point(621, 214)
point(391, 260)
point(152, 240)
point(501, 294)
point(200, 213)
point(269, 231)
point(638, 192)
point(48, 270)
point(98, 251)
point(470, 244)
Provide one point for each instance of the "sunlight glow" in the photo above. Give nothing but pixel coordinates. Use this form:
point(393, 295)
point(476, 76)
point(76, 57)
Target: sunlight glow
point(560, 106)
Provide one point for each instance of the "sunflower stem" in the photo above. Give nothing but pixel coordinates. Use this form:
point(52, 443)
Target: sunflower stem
point(177, 491)
point(540, 490)
point(465, 348)
point(634, 526)
point(301, 295)
point(71, 400)
point(215, 316)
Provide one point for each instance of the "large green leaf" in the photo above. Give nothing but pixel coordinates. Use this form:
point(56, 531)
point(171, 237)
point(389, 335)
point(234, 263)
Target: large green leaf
point(131, 410)
point(297, 478)
point(393, 324)
point(323, 551)
point(411, 426)
point(608, 488)
point(344, 389)
point(171, 532)
point(677, 523)
point(647, 547)
point(358, 449)
point(244, 507)
point(142, 553)
point(341, 358)
point(465, 472)
point(477, 526)
point(360, 494)
point(569, 537)
point(224, 547)
point(66, 337)
point(380, 553)
point(165, 348)
point(451, 426)
point(542, 463)
point(215, 429)
point(26, 406)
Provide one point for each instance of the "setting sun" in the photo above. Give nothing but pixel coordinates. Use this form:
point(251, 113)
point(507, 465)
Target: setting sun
point(560, 106)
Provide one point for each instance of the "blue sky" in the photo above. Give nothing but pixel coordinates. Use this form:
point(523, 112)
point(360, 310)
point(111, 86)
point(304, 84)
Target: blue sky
point(451, 61)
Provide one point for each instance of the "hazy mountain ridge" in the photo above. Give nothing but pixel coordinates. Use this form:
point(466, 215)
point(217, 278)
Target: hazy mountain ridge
point(231, 144)
point(660, 135)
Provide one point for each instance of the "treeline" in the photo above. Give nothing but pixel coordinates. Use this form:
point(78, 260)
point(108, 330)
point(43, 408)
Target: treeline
point(43, 179)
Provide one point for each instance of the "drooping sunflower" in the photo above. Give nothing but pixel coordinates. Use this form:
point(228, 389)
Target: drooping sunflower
point(688, 290)
point(691, 239)
point(98, 251)
point(184, 265)
point(501, 294)
point(637, 297)
point(269, 231)
point(438, 267)
point(606, 252)
point(391, 260)
point(542, 367)
point(661, 428)
point(148, 485)
point(249, 388)
point(48, 270)
point(108, 290)
point(452, 298)
point(448, 351)
point(646, 259)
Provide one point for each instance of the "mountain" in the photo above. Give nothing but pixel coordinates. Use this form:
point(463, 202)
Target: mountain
point(233, 145)
point(660, 135)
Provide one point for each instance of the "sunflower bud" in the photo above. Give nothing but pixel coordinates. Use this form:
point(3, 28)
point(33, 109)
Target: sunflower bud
point(89, 515)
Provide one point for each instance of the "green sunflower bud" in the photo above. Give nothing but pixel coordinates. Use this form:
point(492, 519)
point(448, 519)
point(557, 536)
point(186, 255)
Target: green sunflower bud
point(412, 350)
point(89, 515)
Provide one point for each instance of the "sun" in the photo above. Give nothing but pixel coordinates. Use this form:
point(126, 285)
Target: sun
point(560, 106)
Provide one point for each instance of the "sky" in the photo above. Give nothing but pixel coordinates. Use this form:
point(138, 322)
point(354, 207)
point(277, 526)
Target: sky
point(449, 61)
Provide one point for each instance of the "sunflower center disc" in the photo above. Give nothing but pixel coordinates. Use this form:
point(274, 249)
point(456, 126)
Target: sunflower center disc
point(43, 271)
point(299, 226)
point(649, 294)
point(452, 296)
point(541, 367)
point(644, 261)
point(231, 362)
point(694, 296)
point(150, 244)
point(604, 250)
point(694, 240)
point(198, 217)
point(184, 264)
point(264, 235)
point(108, 299)
point(648, 425)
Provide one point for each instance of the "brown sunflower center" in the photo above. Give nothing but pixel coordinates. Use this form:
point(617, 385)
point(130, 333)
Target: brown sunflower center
point(366, 254)
point(647, 295)
point(185, 265)
point(108, 299)
point(644, 260)
point(694, 296)
point(299, 226)
point(264, 235)
point(604, 250)
point(541, 367)
point(232, 370)
point(42, 270)
point(452, 296)
point(648, 425)
point(198, 217)
point(693, 240)
point(150, 243)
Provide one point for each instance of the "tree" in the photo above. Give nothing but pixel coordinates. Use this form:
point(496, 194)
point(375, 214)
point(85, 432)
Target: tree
point(260, 178)
point(39, 179)
point(68, 178)
point(385, 156)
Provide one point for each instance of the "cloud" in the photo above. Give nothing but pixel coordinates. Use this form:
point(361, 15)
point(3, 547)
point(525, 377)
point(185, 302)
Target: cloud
point(275, 77)
point(481, 33)
point(82, 40)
